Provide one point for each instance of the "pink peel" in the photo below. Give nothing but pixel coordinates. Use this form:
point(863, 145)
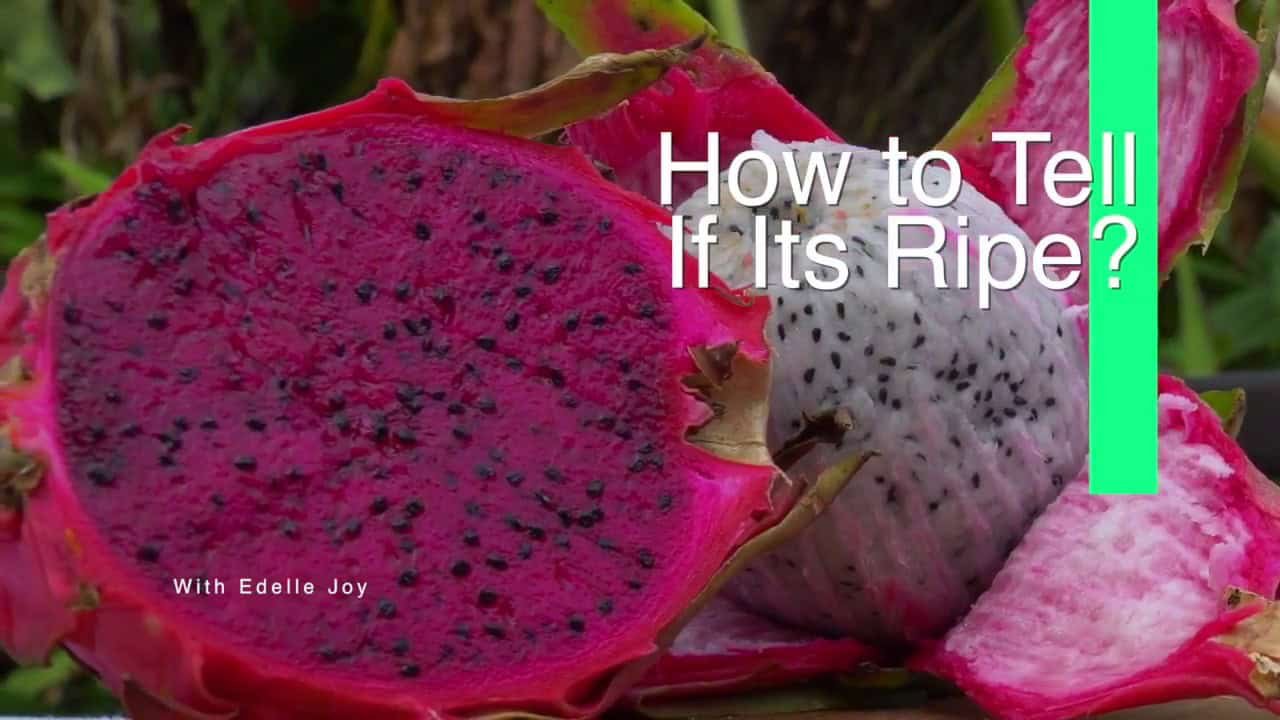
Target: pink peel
point(726, 649)
point(1208, 66)
point(1116, 602)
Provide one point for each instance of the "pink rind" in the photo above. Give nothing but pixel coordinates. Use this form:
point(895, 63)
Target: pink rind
point(1201, 666)
point(1208, 67)
point(726, 649)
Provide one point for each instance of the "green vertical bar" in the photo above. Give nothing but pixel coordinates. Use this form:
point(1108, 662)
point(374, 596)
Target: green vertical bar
point(1123, 97)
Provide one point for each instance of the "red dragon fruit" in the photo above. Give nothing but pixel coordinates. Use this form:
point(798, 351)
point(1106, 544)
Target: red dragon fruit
point(1209, 91)
point(379, 345)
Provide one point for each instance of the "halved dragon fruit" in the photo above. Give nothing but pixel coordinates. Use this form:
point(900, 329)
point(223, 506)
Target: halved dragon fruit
point(1208, 96)
point(434, 370)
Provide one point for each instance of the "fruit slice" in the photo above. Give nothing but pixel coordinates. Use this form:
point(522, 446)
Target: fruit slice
point(1114, 601)
point(372, 346)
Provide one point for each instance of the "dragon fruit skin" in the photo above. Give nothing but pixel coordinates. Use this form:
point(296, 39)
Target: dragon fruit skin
point(976, 417)
point(726, 648)
point(718, 90)
point(1208, 68)
point(1155, 620)
point(313, 349)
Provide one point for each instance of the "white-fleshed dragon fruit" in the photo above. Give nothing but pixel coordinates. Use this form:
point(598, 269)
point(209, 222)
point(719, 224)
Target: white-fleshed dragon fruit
point(1030, 647)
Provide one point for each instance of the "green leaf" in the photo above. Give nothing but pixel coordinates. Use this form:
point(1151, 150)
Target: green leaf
point(1230, 407)
point(31, 49)
point(82, 179)
point(1004, 27)
point(1196, 351)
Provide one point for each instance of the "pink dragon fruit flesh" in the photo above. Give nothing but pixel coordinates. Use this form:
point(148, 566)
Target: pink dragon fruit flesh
point(380, 346)
point(863, 570)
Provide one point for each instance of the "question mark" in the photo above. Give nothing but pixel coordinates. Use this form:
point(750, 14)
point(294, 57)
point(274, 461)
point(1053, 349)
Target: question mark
point(1130, 239)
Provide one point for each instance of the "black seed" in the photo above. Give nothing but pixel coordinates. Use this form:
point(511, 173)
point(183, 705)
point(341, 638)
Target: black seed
point(976, 481)
point(245, 463)
point(888, 361)
point(470, 538)
point(156, 321)
point(422, 231)
point(486, 343)
point(408, 578)
point(414, 508)
point(365, 291)
point(400, 647)
point(1050, 402)
point(410, 670)
point(595, 489)
point(577, 624)
point(478, 217)
point(461, 433)
point(487, 598)
point(379, 505)
point(389, 331)
point(99, 476)
point(495, 631)
point(835, 360)
point(919, 341)
point(406, 436)
point(646, 559)
point(869, 350)
point(255, 424)
point(496, 562)
point(817, 334)
point(460, 569)
point(605, 607)
point(148, 553)
point(552, 274)
point(808, 375)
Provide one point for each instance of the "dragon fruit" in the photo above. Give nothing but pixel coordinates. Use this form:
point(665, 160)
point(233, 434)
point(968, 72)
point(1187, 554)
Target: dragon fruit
point(1209, 93)
point(977, 417)
point(375, 345)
